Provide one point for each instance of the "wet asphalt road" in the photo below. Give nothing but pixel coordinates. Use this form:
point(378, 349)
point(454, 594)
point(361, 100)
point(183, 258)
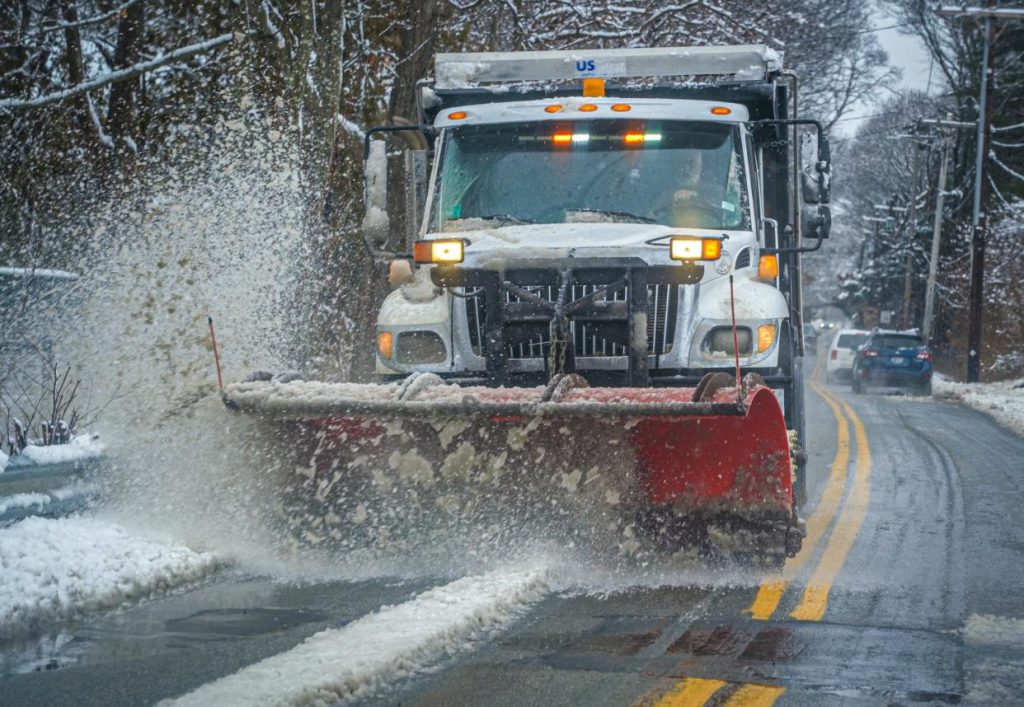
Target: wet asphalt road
point(910, 590)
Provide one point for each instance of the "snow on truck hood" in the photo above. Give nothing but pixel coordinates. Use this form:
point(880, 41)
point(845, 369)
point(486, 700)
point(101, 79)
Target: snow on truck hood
point(580, 240)
point(551, 241)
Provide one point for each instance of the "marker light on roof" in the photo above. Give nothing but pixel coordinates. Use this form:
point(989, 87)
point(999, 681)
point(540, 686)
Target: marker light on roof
point(588, 108)
point(561, 138)
point(721, 110)
point(552, 108)
point(621, 107)
point(593, 88)
point(457, 115)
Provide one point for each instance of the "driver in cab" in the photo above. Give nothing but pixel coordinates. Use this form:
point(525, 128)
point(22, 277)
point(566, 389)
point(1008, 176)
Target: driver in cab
point(691, 205)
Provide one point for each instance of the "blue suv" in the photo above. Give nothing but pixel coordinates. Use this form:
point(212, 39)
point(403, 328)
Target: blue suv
point(893, 358)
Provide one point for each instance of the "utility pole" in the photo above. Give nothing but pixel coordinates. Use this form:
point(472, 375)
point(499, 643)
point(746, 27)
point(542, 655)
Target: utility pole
point(940, 197)
point(979, 218)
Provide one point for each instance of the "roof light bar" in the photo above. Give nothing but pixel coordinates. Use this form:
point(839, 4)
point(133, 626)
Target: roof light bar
point(745, 62)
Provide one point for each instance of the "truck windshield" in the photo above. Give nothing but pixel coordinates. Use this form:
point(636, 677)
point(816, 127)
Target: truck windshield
point(680, 174)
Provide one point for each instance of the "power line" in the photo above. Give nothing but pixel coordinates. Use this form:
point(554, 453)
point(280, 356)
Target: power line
point(873, 115)
point(879, 29)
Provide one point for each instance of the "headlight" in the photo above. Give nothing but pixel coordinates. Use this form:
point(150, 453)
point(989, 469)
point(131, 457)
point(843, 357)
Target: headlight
point(692, 248)
point(719, 340)
point(445, 252)
point(420, 347)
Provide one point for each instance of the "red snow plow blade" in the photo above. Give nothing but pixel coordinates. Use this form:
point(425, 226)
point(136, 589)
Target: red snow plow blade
point(703, 467)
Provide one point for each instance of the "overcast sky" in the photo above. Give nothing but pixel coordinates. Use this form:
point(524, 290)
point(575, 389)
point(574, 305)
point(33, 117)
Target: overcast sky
point(906, 52)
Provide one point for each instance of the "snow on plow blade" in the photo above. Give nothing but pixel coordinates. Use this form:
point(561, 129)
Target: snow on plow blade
point(677, 467)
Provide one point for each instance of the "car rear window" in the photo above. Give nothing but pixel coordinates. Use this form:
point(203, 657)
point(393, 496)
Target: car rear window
point(895, 341)
point(850, 341)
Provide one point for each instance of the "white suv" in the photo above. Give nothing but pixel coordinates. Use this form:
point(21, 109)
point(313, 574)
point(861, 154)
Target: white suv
point(841, 352)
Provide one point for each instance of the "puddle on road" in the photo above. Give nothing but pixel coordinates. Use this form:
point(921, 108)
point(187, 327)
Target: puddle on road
point(49, 653)
point(218, 624)
point(61, 650)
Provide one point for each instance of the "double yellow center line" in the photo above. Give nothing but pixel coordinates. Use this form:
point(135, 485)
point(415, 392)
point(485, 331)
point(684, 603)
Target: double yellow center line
point(697, 691)
point(844, 530)
point(814, 601)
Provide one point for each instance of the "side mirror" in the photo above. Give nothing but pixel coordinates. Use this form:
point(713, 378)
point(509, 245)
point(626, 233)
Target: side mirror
point(376, 224)
point(417, 175)
point(815, 221)
point(809, 187)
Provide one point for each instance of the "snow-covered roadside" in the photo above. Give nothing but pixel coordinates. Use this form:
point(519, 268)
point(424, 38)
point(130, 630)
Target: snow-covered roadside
point(1002, 400)
point(339, 665)
point(56, 570)
point(83, 446)
point(27, 500)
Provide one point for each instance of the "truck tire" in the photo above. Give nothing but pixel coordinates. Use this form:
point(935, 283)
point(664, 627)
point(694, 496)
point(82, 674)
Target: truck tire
point(791, 365)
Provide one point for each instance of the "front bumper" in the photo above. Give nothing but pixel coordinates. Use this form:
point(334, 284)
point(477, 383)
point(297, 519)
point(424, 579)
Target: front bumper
point(891, 375)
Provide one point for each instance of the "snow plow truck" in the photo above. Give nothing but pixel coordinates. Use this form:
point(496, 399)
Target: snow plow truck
point(595, 262)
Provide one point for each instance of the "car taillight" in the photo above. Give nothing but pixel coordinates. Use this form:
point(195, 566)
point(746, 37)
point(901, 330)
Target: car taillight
point(925, 355)
point(870, 353)
point(835, 354)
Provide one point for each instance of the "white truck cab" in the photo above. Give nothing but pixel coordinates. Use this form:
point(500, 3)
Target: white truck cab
point(553, 194)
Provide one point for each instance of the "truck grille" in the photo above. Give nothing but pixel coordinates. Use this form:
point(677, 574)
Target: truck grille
point(663, 301)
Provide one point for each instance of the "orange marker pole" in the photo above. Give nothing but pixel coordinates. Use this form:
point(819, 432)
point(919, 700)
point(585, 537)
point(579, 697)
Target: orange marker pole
point(216, 354)
point(735, 338)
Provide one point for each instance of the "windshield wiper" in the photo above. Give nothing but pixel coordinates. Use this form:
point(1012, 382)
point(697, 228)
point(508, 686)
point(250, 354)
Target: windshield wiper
point(507, 218)
point(635, 218)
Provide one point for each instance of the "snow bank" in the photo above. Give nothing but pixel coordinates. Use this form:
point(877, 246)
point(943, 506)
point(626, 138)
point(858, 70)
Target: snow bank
point(995, 675)
point(339, 665)
point(994, 630)
point(3, 461)
point(1004, 401)
point(82, 447)
point(56, 570)
point(23, 500)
